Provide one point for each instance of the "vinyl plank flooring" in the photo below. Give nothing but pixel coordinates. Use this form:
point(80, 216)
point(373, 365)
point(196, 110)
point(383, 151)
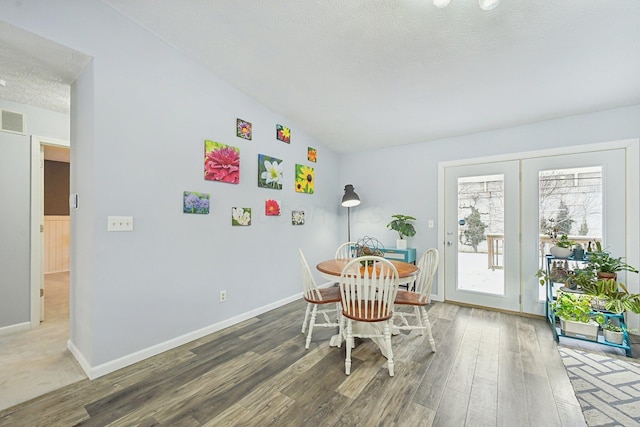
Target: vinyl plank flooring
point(490, 368)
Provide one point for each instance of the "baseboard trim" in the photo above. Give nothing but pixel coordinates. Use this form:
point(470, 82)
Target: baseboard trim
point(94, 372)
point(12, 329)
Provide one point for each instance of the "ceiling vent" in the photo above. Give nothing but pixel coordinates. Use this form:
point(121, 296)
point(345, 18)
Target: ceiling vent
point(12, 122)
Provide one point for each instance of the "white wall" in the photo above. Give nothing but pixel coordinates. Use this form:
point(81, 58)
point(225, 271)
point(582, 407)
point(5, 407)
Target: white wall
point(405, 179)
point(141, 114)
point(15, 169)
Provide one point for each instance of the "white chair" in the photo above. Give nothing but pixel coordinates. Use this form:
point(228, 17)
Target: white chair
point(367, 295)
point(326, 298)
point(419, 299)
point(346, 251)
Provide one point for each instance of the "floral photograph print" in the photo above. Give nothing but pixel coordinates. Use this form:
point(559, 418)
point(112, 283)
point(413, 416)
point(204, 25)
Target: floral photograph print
point(304, 179)
point(240, 216)
point(283, 134)
point(195, 203)
point(243, 129)
point(221, 162)
point(272, 207)
point(269, 172)
point(297, 217)
point(312, 154)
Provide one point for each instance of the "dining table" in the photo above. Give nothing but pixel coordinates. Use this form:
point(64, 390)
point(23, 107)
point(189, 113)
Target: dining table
point(331, 269)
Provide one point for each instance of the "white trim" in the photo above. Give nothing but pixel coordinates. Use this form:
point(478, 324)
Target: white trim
point(632, 155)
point(12, 329)
point(94, 372)
point(37, 218)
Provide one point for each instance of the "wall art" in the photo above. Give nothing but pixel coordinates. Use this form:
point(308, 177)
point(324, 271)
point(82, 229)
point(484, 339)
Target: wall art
point(297, 217)
point(195, 203)
point(305, 181)
point(272, 207)
point(312, 154)
point(269, 172)
point(221, 162)
point(283, 134)
point(243, 129)
point(240, 216)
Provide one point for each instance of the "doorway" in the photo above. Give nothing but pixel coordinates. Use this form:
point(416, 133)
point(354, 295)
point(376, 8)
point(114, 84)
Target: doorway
point(493, 215)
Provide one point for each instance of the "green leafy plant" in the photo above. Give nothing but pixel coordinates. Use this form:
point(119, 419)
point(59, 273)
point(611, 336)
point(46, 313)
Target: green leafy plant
point(614, 327)
point(604, 262)
point(614, 295)
point(402, 226)
point(564, 242)
point(575, 307)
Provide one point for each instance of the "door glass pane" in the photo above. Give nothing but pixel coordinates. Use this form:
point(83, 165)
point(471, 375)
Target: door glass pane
point(571, 204)
point(480, 234)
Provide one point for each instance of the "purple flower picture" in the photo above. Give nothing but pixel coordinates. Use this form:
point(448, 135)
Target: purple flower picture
point(195, 203)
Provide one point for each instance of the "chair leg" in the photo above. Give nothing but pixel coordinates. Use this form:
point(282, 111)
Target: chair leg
point(348, 345)
point(416, 311)
point(312, 322)
point(427, 327)
point(306, 318)
point(387, 340)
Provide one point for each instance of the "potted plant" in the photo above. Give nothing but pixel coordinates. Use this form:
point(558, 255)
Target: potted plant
point(613, 333)
point(613, 296)
point(562, 247)
point(576, 318)
point(607, 266)
point(403, 227)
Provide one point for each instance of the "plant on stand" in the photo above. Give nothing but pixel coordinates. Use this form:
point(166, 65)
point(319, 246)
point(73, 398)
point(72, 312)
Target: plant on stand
point(561, 247)
point(607, 266)
point(403, 227)
point(614, 333)
point(576, 317)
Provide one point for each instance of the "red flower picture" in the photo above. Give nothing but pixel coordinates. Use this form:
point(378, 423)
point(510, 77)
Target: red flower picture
point(272, 207)
point(221, 162)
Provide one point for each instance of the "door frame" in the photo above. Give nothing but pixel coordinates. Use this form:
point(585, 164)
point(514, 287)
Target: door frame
point(632, 206)
point(37, 221)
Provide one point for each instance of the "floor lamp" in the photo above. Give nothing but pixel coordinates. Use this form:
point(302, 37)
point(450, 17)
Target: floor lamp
point(349, 200)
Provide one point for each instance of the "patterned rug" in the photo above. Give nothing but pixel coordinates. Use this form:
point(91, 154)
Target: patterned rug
point(608, 389)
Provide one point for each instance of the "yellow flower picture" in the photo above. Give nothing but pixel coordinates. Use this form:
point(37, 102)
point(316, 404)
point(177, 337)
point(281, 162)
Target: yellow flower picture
point(305, 179)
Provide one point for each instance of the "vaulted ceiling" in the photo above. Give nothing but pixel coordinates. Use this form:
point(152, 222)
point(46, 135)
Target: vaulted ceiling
point(361, 74)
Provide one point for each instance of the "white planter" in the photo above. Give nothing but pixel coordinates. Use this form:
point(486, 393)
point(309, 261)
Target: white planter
point(559, 252)
point(612, 336)
point(401, 244)
point(580, 329)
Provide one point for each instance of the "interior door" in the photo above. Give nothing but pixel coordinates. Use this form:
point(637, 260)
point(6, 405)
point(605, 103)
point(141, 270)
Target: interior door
point(482, 235)
point(587, 190)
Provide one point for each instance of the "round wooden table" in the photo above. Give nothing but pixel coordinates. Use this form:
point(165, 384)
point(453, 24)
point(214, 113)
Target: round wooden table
point(332, 268)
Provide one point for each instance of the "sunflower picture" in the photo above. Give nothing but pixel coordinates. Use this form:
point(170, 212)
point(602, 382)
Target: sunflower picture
point(283, 134)
point(305, 179)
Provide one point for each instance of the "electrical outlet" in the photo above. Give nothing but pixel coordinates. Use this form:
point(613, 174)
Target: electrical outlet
point(223, 296)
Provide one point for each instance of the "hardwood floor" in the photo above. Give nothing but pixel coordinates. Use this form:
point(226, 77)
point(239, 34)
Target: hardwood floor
point(491, 368)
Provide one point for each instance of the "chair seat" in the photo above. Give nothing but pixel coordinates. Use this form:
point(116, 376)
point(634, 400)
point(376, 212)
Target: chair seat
point(371, 313)
point(329, 295)
point(409, 298)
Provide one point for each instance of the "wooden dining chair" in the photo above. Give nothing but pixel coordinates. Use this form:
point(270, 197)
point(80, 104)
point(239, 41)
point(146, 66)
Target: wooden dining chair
point(346, 251)
point(419, 299)
point(367, 294)
point(320, 300)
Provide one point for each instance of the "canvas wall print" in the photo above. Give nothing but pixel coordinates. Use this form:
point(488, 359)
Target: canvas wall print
point(312, 154)
point(221, 162)
point(243, 129)
point(269, 172)
point(240, 216)
point(283, 134)
point(297, 217)
point(272, 207)
point(304, 179)
point(195, 203)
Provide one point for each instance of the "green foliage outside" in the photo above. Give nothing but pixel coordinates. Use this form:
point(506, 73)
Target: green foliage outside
point(473, 234)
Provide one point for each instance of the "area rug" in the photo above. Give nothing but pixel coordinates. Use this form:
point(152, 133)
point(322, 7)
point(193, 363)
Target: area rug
point(608, 389)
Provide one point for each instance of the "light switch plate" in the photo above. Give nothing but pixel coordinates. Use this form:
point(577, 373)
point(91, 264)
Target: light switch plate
point(120, 223)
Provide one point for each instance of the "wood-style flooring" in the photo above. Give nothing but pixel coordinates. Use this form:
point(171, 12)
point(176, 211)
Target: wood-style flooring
point(490, 369)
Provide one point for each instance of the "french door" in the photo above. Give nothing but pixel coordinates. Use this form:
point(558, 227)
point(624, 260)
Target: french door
point(494, 212)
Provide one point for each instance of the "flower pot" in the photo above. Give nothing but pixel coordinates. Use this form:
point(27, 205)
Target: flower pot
point(606, 275)
point(612, 336)
point(401, 244)
point(559, 252)
point(580, 329)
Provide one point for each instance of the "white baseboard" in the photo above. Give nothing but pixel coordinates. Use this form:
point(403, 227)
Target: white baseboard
point(12, 329)
point(111, 366)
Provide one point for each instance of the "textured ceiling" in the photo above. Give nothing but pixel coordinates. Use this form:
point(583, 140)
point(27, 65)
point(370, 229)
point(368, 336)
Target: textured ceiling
point(360, 74)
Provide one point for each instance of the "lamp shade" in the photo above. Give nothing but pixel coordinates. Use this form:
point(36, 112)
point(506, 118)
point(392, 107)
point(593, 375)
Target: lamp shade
point(350, 197)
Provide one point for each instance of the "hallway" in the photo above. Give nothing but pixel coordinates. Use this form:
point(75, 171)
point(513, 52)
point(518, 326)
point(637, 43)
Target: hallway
point(35, 362)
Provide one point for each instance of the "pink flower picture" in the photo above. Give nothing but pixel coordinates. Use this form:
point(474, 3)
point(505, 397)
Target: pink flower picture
point(272, 207)
point(221, 162)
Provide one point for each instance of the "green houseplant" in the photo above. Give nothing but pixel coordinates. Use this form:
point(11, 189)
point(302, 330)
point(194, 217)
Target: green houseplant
point(612, 296)
point(614, 333)
point(402, 225)
point(605, 265)
point(562, 247)
point(576, 318)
